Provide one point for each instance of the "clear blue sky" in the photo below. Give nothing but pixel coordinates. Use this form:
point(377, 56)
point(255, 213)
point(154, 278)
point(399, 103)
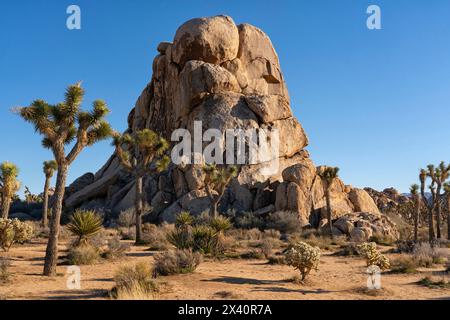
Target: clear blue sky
point(374, 103)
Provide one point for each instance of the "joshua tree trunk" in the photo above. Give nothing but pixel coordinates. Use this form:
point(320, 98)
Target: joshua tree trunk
point(138, 209)
point(6, 204)
point(438, 218)
point(213, 212)
point(448, 217)
point(51, 253)
point(45, 206)
point(430, 223)
point(330, 222)
point(416, 217)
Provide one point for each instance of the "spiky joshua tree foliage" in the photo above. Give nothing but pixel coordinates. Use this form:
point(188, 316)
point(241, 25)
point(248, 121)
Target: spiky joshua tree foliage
point(84, 224)
point(60, 125)
point(328, 175)
point(216, 182)
point(144, 154)
point(49, 169)
point(9, 185)
point(414, 189)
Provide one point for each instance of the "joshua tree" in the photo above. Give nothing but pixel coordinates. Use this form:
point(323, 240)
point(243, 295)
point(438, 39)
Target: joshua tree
point(147, 157)
point(328, 175)
point(428, 202)
point(447, 197)
point(62, 124)
point(216, 182)
point(9, 185)
point(49, 169)
point(441, 174)
point(415, 193)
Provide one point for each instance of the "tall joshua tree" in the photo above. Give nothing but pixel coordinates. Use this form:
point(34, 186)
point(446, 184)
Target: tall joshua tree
point(416, 197)
point(428, 202)
point(60, 125)
point(328, 175)
point(144, 155)
point(49, 169)
point(442, 173)
point(9, 185)
point(447, 197)
point(216, 182)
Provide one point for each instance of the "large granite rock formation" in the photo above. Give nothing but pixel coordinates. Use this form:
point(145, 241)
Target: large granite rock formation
point(227, 76)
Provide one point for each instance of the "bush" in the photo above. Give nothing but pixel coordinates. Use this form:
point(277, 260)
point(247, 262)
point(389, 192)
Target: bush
point(135, 283)
point(373, 257)
point(428, 282)
point(248, 220)
point(84, 254)
point(156, 236)
point(127, 218)
point(276, 260)
point(348, 250)
point(180, 238)
point(183, 220)
point(115, 249)
point(176, 262)
point(303, 257)
point(426, 256)
point(5, 275)
point(204, 239)
point(14, 231)
point(404, 264)
point(85, 224)
point(266, 246)
point(220, 224)
point(284, 221)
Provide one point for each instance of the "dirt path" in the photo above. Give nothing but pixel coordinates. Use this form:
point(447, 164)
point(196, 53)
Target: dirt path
point(338, 278)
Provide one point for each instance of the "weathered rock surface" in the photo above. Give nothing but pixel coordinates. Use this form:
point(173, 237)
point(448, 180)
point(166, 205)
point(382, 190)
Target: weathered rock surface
point(227, 76)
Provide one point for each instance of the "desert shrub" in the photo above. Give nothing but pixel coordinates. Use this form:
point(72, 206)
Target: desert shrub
point(252, 254)
point(203, 218)
point(373, 257)
point(404, 246)
point(84, 224)
point(404, 264)
point(115, 249)
point(284, 221)
point(303, 257)
point(5, 275)
point(176, 262)
point(204, 239)
point(276, 260)
point(245, 234)
point(156, 236)
point(127, 218)
point(180, 238)
point(135, 283)
point(14, 231)
point(432, 284)
point(324, 242)
point(426, 255)
point(38, 230)
point(382, 240)
point(348, 250)
point(272, 233)
point(84, 254)
point(248, 220)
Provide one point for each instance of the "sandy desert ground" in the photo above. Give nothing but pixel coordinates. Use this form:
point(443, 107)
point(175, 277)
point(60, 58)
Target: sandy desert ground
point(338, 278)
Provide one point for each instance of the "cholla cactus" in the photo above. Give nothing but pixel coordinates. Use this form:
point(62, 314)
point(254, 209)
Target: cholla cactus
point(14, 231)
point(303, 257)
point(373, 256)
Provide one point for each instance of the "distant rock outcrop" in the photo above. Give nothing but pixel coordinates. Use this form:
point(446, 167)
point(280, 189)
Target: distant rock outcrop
point(228, 76)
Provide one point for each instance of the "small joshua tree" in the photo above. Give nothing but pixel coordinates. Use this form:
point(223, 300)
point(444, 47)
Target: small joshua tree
point(303, 257)
point(216, 182)
point(447, 197)
point(145, 156)
point(9, 185)
point(416, 197)
point(49, 169)
point(62, 124)
point(328, 175)
point(428, 202)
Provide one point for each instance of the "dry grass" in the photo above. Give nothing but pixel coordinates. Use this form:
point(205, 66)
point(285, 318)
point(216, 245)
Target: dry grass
point(176, 262)
point(83, 255)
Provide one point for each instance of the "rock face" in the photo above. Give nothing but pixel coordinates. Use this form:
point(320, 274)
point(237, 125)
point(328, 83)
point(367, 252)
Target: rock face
point(227, 76)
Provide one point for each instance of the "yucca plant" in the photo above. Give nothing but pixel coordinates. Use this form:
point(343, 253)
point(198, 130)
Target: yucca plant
point(144, 154)
point(328, 175)
point(49, 169)
point(220, 224)
point(183, 220)
point(63, 124)
point(204, 239)
point(9, 185)
point(216, 181)
point(414, 190)
point(84, 225)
